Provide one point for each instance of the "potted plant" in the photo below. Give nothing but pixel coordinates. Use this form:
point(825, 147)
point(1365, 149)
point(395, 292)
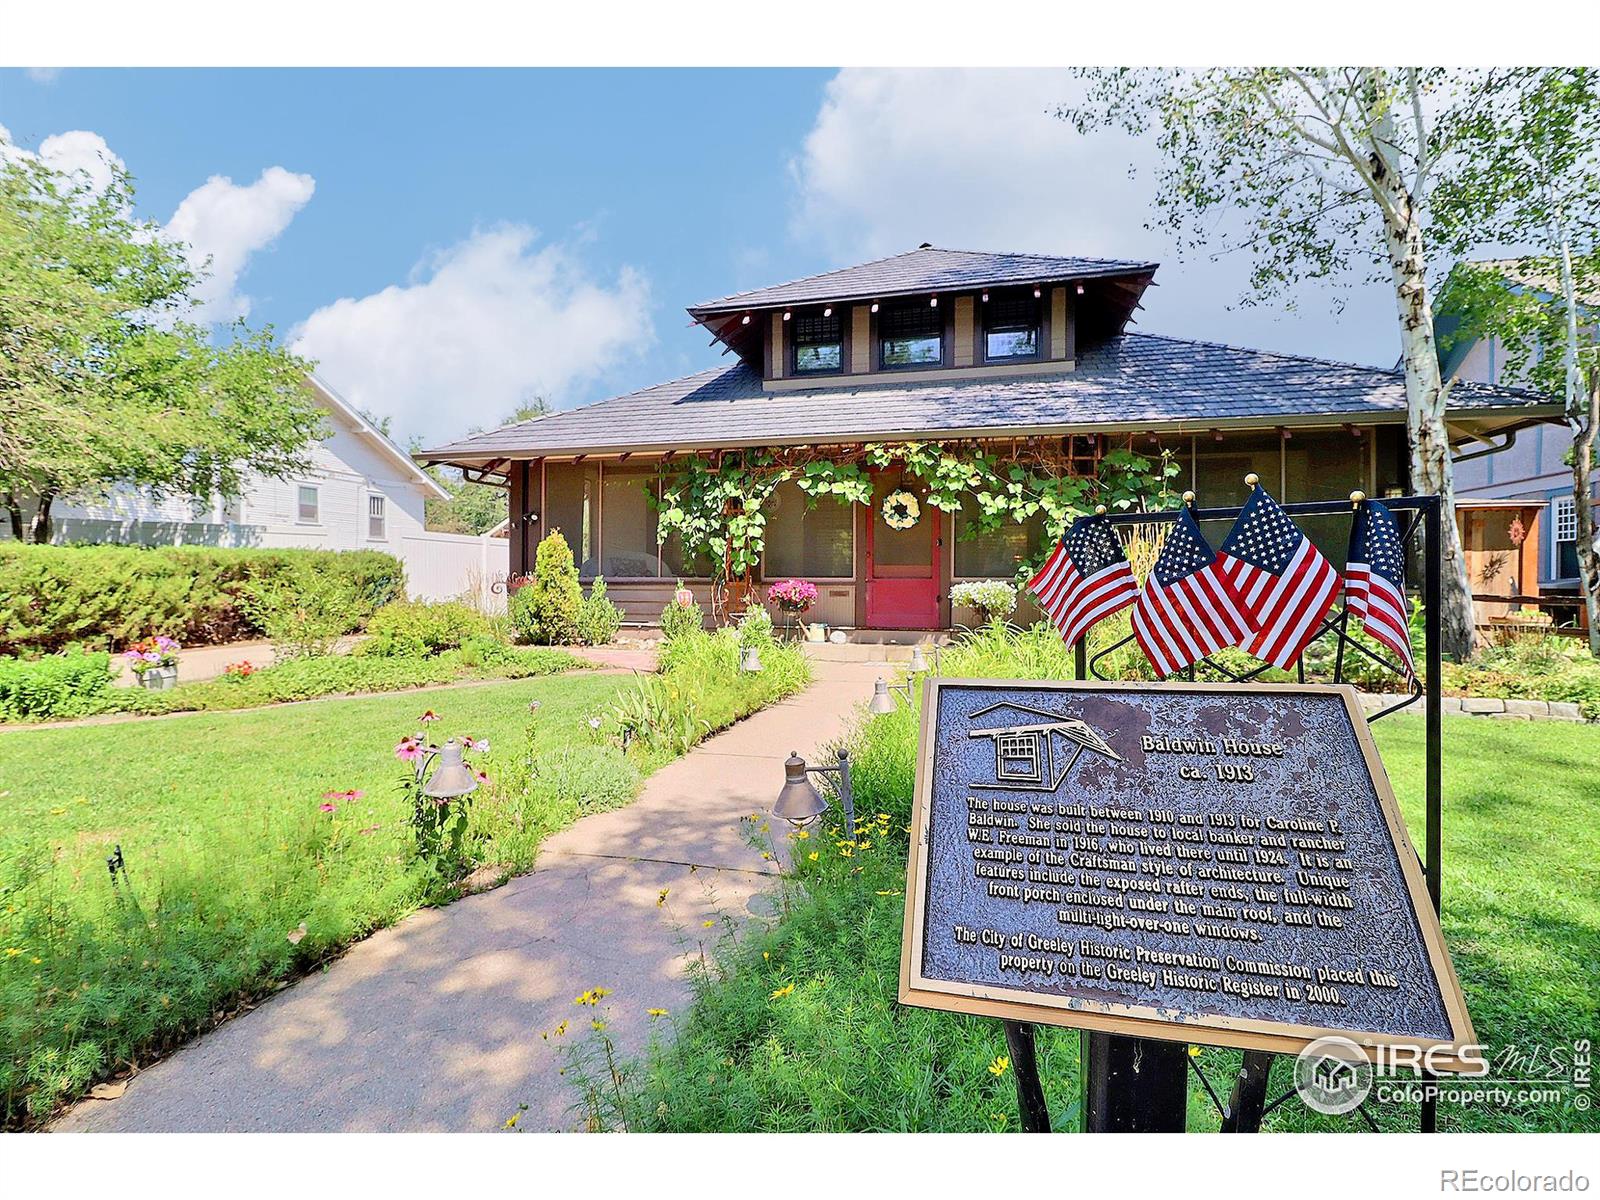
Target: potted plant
point(794, 598)
point(154, 662)
point(994, 599)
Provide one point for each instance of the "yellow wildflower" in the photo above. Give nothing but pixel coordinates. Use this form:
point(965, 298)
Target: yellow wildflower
point(593, 996)
point(511, 1121)
point(999, 1065)
point(655, 1012)
point(845, 852)
point(890, 893)
point(598, 1025)
point(802, 834)
point(561, 1029)
point(12, 952)
point(782, 992)
point(707, 924)
point(812, 857)
point(1194, 1051)
point(662, 898)
point(766, 855)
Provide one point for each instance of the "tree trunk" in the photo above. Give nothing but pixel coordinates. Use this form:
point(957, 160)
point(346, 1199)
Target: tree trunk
point(1584, 427)
point(39, 530)
point(14, 511)
point(1431, 469)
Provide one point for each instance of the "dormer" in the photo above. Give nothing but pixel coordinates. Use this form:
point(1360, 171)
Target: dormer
point(928, 314)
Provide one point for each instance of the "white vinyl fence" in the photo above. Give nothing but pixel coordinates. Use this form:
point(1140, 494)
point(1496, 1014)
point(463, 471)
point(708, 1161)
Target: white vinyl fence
point(457, 566)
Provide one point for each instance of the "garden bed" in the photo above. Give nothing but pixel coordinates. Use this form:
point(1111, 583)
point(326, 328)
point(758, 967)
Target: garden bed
point(259, 843)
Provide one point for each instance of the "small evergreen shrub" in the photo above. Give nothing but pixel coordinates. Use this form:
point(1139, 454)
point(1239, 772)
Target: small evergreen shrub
point(545, 608)
point(60, 684)
point(418, 627)
point(598, 618)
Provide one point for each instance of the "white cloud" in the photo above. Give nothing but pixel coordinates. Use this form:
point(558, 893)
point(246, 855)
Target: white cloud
point(221, 223)
point(43, 75)
point(977, 160)
point(479, 328)
point(226, 224)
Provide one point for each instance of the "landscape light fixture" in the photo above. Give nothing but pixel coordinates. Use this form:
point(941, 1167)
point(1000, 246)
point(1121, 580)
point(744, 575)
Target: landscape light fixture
point(799, 802)
point(451, 776)
point(882, 702)
point(918, 661)
point(750, 661)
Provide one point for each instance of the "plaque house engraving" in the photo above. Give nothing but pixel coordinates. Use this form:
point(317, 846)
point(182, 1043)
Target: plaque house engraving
point(1199, 862)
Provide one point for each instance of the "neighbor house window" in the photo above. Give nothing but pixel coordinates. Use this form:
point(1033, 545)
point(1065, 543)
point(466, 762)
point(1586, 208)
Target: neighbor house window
point(309, 510)
point(1564, 532)
point(818, 342)
point(1011, 325)
point(376, 517)
point(911, 335)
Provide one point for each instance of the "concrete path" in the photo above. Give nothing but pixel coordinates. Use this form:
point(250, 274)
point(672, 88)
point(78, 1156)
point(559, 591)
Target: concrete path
point(435, 1024)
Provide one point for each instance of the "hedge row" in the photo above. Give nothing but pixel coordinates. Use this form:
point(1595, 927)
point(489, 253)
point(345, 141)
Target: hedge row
point(103, 597)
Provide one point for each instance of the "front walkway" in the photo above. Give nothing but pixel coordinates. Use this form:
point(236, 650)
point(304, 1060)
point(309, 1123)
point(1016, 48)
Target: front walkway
point(435, 1024)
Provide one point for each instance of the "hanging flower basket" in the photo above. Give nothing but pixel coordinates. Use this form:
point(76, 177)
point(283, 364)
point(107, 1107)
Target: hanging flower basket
point(900, 509)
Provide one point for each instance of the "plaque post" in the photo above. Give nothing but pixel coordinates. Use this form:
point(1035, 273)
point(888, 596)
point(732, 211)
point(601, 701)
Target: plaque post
point(1031, 1103)
point(1134, 1084)
point(1428, 1118)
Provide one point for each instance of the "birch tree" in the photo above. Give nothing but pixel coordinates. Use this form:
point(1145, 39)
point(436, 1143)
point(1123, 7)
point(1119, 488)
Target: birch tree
point(1317, 174)
point(1534, 151)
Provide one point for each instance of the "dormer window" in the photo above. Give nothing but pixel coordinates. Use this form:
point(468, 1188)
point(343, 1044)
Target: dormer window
point(1011, 325)
point(818, 342)
point(910, 334)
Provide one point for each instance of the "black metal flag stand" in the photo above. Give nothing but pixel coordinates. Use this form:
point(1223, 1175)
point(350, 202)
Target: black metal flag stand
point(1141, 1085)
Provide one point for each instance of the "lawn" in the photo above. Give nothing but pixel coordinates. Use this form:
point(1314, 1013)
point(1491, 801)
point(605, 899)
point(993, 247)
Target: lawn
point(799, 1029)
point(242, 872)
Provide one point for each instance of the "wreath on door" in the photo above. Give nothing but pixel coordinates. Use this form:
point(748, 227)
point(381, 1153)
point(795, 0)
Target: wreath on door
point(900, 509)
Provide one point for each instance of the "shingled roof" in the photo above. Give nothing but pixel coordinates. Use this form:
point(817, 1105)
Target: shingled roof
point(1133, 381)
point(925, 269)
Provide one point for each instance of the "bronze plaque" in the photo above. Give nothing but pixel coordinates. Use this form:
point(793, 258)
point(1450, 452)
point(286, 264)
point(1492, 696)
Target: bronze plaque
point(1198, 862)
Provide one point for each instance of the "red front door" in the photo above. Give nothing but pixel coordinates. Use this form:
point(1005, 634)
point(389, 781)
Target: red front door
point(903, 578)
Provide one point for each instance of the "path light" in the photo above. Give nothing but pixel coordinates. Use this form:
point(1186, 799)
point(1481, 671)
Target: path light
point(750, 661)
point(882, 702)
point(918, 661)
point(451, 776)
point(799, 802)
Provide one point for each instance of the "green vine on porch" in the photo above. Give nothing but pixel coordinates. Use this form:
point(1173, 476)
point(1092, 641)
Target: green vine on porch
point(716, 506)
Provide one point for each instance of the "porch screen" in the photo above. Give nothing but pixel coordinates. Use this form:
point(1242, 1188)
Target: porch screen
point(627, 524)
point(571, 504)
point(997, 554)
point(814, 544)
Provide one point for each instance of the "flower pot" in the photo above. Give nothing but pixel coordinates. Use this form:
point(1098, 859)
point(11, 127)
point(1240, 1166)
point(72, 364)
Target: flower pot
point(159, 679)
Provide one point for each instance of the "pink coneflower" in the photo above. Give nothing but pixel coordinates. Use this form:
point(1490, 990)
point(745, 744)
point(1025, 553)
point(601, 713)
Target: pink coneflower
point(408, 750)
point(326, 807)
point(430, 715)
point(345, 796)
point(481, 776)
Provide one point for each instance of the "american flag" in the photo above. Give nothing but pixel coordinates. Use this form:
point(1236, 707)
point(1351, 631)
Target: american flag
point(1086, 577)
point(1187, 609)
point(1374, 581)
point(1285, 583)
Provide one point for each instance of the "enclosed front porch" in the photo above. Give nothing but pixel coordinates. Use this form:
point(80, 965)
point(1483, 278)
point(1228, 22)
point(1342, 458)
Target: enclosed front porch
point(884, 565)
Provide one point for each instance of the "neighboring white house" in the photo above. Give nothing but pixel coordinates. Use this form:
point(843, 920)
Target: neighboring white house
point(362, 492)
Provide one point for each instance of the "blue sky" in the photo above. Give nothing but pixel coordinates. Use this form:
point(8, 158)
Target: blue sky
point(447, 241)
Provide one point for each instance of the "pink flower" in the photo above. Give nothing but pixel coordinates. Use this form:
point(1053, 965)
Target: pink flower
point(408, 750)
point(326, 807)
point(481, 776)
point(430, 715)
point(347, 797)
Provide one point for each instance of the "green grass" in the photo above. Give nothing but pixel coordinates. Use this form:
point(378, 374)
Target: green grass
point(237, 880)
point(1521, 918)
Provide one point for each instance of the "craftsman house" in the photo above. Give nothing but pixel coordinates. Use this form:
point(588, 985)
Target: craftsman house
point(1026, 356)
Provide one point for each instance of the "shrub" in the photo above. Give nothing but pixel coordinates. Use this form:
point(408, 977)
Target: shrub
point(302, 611)
point(755, 628)
point(61, 684)
point(598, 618)
point(682, 615)
point(56, 597)
point(417, 627)
point(545, 609)
point(994, 599)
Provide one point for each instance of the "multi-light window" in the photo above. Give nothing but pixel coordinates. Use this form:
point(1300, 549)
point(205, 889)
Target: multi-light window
point(1011, 325)
point(308, 505)
point(818, 342)
point(1564, 535)
point(375, 516)
point(910, 334)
